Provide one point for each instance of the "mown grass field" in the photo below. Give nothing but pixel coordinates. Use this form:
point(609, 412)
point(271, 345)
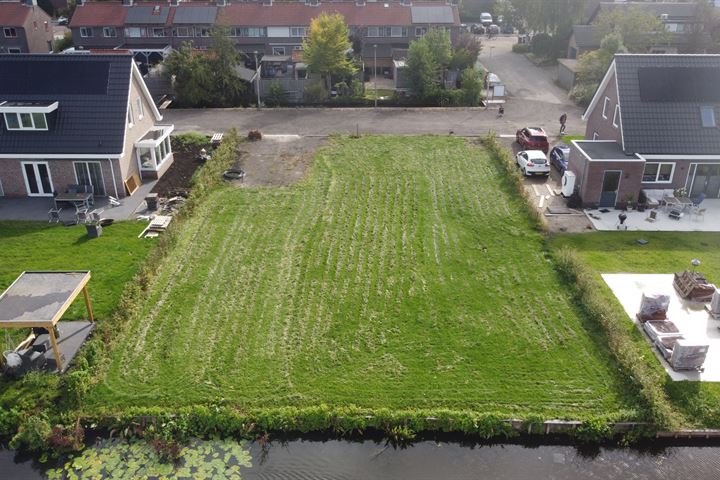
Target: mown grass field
point(402, 272)
point(666, 252)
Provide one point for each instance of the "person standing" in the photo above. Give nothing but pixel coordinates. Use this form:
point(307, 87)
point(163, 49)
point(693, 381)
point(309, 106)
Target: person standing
point(563, 120)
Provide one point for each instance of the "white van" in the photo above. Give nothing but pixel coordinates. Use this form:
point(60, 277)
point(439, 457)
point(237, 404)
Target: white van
point(485, 19)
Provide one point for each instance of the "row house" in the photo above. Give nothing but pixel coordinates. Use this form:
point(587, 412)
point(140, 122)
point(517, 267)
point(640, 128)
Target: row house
point(24, 28)
point(261, 28)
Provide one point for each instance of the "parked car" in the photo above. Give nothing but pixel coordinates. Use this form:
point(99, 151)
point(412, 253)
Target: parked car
point(532, 162)
point(62, 21)
point(559, 157)
point(493, 30)
point(486, 18)
point(507, 29)
point(532, 138)
point(478, 29)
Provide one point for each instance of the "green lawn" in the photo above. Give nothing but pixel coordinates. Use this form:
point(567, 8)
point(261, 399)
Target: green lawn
point(666, 252)
point(113, 258)
point(400, 273)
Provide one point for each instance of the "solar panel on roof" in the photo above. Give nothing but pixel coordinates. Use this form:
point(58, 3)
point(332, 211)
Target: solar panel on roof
point(679, 84)
point(54, 78)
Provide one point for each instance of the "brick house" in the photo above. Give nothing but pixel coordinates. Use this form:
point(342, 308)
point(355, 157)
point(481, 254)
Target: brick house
point(652, 126)
point(77, 119)
point(25, 28)
point(152, 29)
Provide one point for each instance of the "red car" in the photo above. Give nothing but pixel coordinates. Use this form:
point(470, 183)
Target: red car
point(532, 138)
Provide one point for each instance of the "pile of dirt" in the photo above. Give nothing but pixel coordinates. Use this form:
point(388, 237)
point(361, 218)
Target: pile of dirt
point(177, 178)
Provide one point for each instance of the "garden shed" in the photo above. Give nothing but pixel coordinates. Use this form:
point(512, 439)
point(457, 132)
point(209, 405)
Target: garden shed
point(38, 300)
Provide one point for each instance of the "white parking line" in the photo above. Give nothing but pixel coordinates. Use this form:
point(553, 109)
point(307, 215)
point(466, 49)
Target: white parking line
point(506, 136)
point(537, 194)
point(542, 202)
point(549, 189)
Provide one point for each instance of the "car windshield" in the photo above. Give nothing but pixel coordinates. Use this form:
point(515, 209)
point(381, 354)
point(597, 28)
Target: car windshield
point(538, 138)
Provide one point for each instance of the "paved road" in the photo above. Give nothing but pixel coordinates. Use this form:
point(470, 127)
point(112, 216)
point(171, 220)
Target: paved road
point(534, 100)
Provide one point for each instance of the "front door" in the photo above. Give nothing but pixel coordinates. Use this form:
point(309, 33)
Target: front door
point(707, 181)
point(37, 179)
point(90, 173)
point(610, 187)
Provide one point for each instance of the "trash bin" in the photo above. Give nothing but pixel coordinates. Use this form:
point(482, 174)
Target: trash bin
point(151, 200)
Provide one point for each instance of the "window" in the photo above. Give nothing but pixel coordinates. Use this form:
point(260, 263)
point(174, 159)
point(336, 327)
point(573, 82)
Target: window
point(202, 31)
point(9, 32)
point(140, 110)
point(298, 47)
point(14, 50)
point(658, 172)
point(183, 32)
point(421, 31)
point(134, 32)
point(387, 32)
point(86, 32)
point(25, 121)
point(130, 119)
point(278, 50)
point(606, 105)
point(595, 136)
point(158, 32)
point(616, 116)
point(90, 173)
point(707, 114)
point(109, 32)
point(248, 32)
point(298, 31)
point(373, 31)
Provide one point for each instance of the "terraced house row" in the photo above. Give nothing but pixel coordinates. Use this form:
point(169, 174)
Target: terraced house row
point(152, 29)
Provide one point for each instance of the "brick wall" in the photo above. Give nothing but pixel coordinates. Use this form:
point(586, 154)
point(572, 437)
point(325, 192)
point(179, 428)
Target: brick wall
point(604, 126)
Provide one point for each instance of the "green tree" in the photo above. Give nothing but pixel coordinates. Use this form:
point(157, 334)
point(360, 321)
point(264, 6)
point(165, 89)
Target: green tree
point(466, 49)
point(227, 88)
point(276, 94)
point(549, 15)
point(189, 75)
point(639, 29)
point(427, 60)
point(326, 46)
point(472, 85)
point(592, 67)
point(63, 43)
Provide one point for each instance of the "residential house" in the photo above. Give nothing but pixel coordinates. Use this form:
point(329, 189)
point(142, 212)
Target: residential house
point(651, 126)
point(257, 27)
point(682, 19)
point(77, 119)
point(26, 28)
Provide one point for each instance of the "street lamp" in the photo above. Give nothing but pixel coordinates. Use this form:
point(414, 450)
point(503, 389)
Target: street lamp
point(375, 71)
point(257, 78)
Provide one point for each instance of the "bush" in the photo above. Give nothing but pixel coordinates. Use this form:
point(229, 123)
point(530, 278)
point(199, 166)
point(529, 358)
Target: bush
point(276, 94)
point(582, 93)
point(521, 48)
point(543, 45)
point(471, 83)
point(63, 43)
point(315, 93)
point(32, 434)
point(190, 141)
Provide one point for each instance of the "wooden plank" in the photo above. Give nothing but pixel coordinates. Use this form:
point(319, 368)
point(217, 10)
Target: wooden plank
point(87, 303)
point(132, 183)
point(56, 349)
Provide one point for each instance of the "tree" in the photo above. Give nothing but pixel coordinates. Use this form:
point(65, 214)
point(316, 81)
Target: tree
point(227, 88)
point(63, 43)
point(325, 49)
point(639, 29)
point(592, 67)
point(276, 94)
point(472, 85)
point(427, 60)
point(466, 49)
point(549, 15)
point(189, 75)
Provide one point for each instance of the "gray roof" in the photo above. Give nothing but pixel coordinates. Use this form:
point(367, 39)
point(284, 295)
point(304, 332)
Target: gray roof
point(435, 14)
point(599, 150)
point(586, 36)
point(674, 10)
point(660, 100)
point(39, 296)
point(195, 15)
point(147, 15)
point(92, 96)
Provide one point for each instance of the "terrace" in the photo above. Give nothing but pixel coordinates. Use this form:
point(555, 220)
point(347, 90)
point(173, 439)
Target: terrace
point(641, 221)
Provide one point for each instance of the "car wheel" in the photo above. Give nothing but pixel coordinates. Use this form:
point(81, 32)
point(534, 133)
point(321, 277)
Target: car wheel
point(524, 170)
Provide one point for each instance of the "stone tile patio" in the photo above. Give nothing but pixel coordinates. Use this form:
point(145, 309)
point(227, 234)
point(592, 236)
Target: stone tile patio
point(36, 208)
point(690, 317)
point(637, 221)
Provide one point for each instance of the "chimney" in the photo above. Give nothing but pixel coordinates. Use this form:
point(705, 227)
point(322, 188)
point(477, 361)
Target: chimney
point(127, 3)
point(221, 3)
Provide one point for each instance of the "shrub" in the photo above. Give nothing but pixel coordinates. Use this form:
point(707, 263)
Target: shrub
point(521, 48)
point(32, 434)
point(315, 93)
point(190, 141)
point(276, 94)
point(582, 93)
point(594, 431)
point(471, 83)
point(543, 45)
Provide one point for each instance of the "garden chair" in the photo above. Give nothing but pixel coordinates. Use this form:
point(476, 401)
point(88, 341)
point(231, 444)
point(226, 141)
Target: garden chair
point(652, 216)
point(54, 215)
point(81, 214)
point(698, 200)
point(697, 213)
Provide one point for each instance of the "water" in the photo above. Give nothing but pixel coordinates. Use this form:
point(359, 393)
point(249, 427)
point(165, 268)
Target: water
point(341, 460)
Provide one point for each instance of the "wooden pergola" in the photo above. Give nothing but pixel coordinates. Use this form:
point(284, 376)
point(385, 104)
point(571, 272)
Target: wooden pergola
point(39, 299)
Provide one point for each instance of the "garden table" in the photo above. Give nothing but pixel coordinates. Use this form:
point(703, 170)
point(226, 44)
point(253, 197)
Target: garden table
point(78, 198)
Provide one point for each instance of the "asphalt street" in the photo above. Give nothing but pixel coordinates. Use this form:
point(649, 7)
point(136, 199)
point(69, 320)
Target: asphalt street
point(533, 100)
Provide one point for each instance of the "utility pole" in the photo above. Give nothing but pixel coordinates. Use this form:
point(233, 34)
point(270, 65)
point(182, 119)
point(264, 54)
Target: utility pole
point(375, 71)
point(257, 78)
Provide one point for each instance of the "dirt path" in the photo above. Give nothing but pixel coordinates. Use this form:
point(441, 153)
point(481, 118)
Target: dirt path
point(277, 159)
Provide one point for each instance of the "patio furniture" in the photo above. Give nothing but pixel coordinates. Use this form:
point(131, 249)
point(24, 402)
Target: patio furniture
point(114, 202)
point(76, 199)
point(54, 215)
point(216, 139)
point(652, 216)
point(675, 213)
point(81, 214)
point(697, 213)
point(698, 200)
point(80, 188)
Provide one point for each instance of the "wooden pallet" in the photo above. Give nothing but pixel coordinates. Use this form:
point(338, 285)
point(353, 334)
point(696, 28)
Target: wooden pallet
point(693, 286)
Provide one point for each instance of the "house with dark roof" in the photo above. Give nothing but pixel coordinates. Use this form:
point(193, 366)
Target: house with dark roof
point(78, 120)
point(653, 127)
point(24, 28)
point(152, 29)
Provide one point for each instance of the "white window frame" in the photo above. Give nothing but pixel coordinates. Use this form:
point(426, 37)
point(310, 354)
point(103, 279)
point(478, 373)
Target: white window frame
point(298, 32)
point(421, 31)
point(109, 32)
point(20, 123)
point(162, 143)
point(14, 50)
point(10, 32)
point(140, 109)
point(616, 116)
point(376, 34)
point(161, 30)
point(188, 32)
point(199, 31)
point(130, 32)
point(606, 104)
point(86, 32)
point(596, 135)
point(130, 116)
point(102, 175)
point(711, 111)
point(657, 174)
point(276, 50)
point(27, 184)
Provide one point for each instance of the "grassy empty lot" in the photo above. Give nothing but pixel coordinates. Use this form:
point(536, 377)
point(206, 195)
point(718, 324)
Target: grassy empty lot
point(666, 252)
point(401, 272)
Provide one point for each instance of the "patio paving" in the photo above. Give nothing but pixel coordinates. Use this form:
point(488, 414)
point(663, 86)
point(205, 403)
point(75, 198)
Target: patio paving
point(690, 317)
point(637, 221)
point(36, 208)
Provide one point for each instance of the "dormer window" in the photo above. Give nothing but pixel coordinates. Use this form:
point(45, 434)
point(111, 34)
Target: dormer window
point(707, 114)
point(27, 115)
